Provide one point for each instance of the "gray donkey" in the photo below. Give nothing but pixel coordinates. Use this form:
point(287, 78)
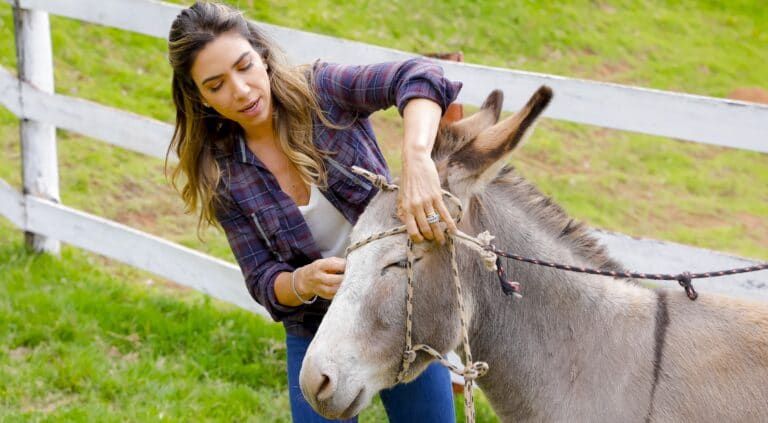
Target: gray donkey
point(575, 348)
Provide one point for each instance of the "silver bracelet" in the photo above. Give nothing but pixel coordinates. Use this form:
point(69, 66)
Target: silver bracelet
point(293, 285)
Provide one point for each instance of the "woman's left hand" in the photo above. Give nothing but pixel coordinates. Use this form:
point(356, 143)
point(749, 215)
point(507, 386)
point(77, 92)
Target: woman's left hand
point(420, 203)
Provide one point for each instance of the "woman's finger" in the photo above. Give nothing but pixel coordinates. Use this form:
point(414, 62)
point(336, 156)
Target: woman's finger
point(412, 228)
point(433, 220)
point(445, 215)
point(327, 291)
point(332, 264)
point(434, 225)
point(331, 279)
point(424, 228)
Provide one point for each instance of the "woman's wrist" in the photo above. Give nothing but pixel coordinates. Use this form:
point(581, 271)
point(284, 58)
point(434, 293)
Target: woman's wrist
point(416, 151)
point(296, 290)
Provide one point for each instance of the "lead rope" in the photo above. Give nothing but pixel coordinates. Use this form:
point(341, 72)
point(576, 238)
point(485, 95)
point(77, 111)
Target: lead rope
point(472, 370)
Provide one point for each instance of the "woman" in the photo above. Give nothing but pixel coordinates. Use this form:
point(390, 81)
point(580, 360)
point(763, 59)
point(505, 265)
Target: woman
point(265, 150)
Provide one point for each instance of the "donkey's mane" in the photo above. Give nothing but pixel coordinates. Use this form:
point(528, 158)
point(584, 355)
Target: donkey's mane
point(554, 219)
point(524, 194)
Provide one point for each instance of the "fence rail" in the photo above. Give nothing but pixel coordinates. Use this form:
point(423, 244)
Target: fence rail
point(708, 120)
point(702, 119)
point(113, 126)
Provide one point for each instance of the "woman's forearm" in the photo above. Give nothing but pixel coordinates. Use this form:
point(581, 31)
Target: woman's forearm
point(421, 119)
point(284, 292)
point(421, 197)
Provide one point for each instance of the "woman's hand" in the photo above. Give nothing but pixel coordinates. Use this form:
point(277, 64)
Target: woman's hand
point(421, 196)
point(322, 277)
point(420, 203)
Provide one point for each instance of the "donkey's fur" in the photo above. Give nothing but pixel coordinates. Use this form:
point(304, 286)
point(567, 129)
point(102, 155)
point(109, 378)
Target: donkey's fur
point(576, 347)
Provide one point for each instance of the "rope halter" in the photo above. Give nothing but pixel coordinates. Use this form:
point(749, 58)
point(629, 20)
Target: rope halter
point(472, 369)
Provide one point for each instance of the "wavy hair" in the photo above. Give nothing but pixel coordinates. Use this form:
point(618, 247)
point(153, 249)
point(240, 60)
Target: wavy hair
point(199, 131)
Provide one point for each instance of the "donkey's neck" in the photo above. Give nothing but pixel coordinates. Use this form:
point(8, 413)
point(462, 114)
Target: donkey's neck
point(569, 333)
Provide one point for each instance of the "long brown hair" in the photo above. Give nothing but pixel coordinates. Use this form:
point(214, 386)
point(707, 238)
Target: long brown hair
point(200, 131)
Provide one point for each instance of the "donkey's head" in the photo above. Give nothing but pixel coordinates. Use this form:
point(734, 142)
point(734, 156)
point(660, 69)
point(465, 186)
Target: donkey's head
point(359, 347)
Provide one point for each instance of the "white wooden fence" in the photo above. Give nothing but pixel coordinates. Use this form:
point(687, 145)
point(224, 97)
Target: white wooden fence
point(32, 99)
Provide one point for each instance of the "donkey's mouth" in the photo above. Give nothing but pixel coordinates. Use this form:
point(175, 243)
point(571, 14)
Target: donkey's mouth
point(360, 401)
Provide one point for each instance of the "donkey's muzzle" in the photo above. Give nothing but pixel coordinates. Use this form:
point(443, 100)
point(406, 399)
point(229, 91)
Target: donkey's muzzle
point(320, 384)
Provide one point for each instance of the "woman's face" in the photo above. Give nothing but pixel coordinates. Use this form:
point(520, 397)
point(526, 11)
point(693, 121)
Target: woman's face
point(232, 78)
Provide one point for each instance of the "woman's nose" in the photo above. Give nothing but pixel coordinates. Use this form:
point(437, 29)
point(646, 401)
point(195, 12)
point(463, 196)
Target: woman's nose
point(241, 88)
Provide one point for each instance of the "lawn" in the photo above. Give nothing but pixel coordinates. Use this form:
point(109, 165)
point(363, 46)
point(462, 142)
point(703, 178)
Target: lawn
point(85, 339)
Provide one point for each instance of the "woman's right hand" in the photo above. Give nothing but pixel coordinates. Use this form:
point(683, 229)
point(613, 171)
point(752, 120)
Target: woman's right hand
point(322, 277)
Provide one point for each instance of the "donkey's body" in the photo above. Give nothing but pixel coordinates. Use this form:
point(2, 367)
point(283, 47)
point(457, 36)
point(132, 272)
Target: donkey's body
point(589, 348)
point(576, 347)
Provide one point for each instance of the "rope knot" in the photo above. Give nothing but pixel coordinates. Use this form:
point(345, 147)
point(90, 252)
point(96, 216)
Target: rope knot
point(684, 279)
point(409, 356)
point(474, 370)
point(490, 259)
point(379, 181)
point(485, 238)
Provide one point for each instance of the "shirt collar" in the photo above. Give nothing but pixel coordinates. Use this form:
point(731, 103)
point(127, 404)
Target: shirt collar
point(243, 154)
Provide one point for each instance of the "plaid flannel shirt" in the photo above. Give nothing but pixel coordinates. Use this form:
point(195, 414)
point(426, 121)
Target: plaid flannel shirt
point(265, 229)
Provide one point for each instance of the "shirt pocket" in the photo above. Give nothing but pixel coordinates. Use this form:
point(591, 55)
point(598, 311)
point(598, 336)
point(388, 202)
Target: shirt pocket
point(268, 224)
point(348, 185)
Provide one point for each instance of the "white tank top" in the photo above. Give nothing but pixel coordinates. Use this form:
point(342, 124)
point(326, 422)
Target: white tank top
point(328, 226)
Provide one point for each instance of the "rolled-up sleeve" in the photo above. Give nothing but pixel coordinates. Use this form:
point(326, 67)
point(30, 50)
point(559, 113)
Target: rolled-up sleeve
point(368, 88)
point(259, 267)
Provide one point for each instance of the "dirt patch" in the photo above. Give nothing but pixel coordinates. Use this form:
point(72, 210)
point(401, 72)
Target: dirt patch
point(611, 71)
point(751, 94)
point(143, 219)
point(47, 405)
point(754, 227)
point(687, 219)
point(19, 353)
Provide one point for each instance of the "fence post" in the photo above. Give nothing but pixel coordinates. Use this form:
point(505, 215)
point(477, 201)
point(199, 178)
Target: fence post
point(40, 171)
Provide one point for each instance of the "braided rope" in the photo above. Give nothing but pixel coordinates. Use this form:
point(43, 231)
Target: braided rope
point(482, 242)
point(473, 371)
point(376, 237)
point(379, 181)
point(469, 373)
point(409, 355)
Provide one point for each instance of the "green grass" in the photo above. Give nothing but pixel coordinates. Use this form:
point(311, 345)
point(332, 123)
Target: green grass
point(86, 339)
point(79, 344)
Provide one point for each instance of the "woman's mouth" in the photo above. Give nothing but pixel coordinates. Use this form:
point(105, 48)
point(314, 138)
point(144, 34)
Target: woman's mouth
point(251, 108)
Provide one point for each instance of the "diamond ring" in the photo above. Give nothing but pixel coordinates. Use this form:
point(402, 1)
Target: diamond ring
point(433, 218)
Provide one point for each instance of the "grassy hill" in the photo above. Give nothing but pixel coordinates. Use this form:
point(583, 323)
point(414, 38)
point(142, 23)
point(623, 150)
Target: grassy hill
point(83, 338)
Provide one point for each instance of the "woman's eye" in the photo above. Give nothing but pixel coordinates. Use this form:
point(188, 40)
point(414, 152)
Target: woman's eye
point(246, 67)
point(216, 87)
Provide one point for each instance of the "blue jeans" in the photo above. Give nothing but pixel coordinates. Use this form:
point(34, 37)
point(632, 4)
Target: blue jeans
point(427, 399)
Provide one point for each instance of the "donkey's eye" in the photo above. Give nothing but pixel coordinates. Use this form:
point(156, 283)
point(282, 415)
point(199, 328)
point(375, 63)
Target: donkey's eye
point(402, 264)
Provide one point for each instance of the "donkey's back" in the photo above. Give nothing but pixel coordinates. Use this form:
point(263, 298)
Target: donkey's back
point(714, 362)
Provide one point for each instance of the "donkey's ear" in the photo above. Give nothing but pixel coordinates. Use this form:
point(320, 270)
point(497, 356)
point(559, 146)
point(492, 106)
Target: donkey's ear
point(469, 128)
point(478, 162)
point(459, 133)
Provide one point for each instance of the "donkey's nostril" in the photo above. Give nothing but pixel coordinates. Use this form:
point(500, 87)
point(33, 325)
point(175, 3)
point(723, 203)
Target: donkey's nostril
point(325, 388)
point(317, 383)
